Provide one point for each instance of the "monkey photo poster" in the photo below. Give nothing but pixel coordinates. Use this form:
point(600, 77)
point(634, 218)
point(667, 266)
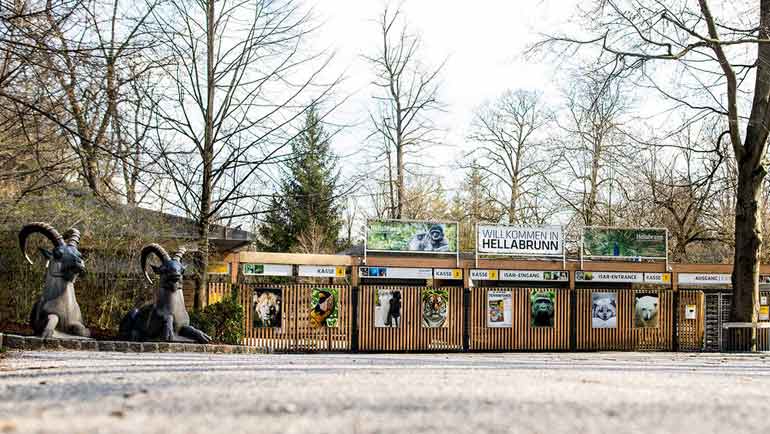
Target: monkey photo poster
point(499, 309)
point(543, 306)
point(435, 308)
point(324, 307)
point(387, 308)
point(266, 307)
point(646, 310)
point(604, 310)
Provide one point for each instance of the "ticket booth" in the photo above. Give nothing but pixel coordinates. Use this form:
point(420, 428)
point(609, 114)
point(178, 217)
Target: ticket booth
point(410, 309)
point(624, 310)
point(519, 310)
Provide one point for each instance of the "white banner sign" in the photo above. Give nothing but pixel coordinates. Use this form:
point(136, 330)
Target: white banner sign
point(520, 240)
point(609, 276)
point(266, 270)
point(534, 276)
point(448, 273)
point(483, 274)
point(704, 279)
point(662, 278)
point(321, 271)
point(395, 273)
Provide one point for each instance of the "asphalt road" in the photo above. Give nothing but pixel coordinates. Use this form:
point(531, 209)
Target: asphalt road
point(72, 392)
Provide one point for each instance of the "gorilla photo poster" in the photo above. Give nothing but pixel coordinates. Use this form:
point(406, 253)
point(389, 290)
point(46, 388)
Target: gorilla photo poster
point(543, 306)
point(266, 307)
point(323, 307)
point(604, 310)
point(387, 308)
point(435, 308)
point(646, 310)
point(499, 309)
point(411, 236)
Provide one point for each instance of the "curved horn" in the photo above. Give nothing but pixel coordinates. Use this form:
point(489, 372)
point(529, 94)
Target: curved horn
point(159, 251)
point(179, 253)
point(72, 236)
point(42, 228)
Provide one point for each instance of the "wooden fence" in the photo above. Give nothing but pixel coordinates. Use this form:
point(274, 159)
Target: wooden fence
point(521, 335)
point(410, 335)
point(691, 332)
point(295, 332)
point(625, 336)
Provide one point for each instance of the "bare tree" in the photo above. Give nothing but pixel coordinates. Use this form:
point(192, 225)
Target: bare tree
point(408, 93)
point(510, 138)
point(239, 79)
point(707, 64)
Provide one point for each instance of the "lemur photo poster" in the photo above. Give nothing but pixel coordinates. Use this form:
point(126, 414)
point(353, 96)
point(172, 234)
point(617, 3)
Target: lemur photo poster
point(387, 308)
point(542, 306)
point(266, 307)
point(324, 304)
point(604, 310)
point(499, 309)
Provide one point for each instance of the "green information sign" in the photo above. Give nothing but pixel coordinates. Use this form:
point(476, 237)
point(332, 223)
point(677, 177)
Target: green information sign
point(624, 243)
point(411, 236)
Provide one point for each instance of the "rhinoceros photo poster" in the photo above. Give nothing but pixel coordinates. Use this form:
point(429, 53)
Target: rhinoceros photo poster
point(411, 236)
point(387, 308)
point(499, 309)
point(543, 307)
point(266, 307)
point(624, 243)
point(324, 304)
point(435, 308)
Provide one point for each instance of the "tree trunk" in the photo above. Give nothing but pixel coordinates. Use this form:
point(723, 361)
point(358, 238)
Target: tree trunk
point(400, 179)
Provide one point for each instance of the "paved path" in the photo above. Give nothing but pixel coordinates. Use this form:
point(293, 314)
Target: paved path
point(71, 392)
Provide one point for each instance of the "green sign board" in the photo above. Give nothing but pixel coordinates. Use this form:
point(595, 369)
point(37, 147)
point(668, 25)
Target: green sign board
point(624, 243)
point(411, 236)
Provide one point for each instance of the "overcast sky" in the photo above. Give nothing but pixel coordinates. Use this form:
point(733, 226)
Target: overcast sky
point(483, 42)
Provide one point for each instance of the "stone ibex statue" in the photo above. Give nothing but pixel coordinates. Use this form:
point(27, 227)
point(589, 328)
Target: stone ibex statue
point(167, 318)
point(57, 308)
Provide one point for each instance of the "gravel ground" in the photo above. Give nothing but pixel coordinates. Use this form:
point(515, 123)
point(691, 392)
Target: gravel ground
point(72, 392)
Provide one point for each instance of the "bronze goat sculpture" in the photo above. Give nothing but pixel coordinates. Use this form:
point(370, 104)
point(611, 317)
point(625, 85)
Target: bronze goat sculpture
point(167, 318)
point(57, 308)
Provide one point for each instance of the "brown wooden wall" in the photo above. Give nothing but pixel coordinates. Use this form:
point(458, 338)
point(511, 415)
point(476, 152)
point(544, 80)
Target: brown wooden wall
point(410, 335)
point(521, 336)
point(691, 332)
point(295, 333)
point(625, 336)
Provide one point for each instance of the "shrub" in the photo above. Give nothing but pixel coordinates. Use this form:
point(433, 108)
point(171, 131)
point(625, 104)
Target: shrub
point(223, 321)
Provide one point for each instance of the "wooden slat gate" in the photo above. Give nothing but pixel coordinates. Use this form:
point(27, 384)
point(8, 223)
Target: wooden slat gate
point(410, 335)
point(625, 336)
point(691, 332)
point(521, 335)
point(295, 332)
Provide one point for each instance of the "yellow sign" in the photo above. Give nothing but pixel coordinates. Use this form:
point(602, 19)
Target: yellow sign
point(221, 268)
point(340, 272)
point(457, 273)
point(764, 313)
point(666, 277)
point(492, 274)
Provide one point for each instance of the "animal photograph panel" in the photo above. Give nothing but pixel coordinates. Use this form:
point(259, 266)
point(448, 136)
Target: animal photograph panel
point(387, 308)
point(646, 310)
point(499, 309)
point(324, 304)
point(604, 310)
point(266, 307)
point(543, 308)
point(435, 308)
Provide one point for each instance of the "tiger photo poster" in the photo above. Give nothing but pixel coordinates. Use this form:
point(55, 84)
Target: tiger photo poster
point(604, 310)
point(435, 308)
point(387, 308)
point(324, 307)
point(266, 307)
point(499, 309)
